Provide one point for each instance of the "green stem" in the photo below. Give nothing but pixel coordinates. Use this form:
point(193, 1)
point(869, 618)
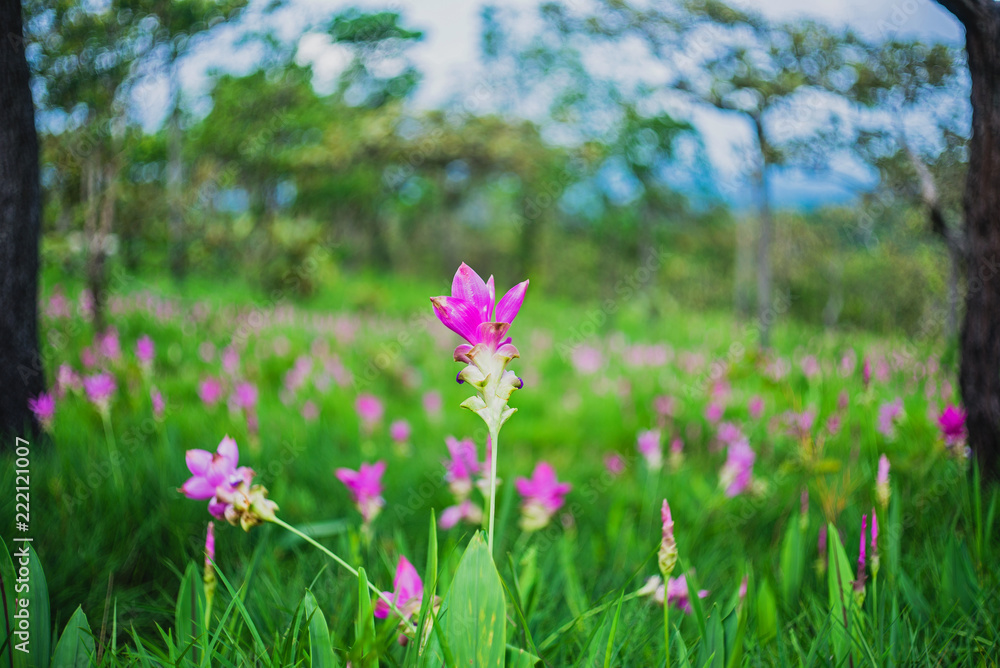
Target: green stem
point(109, 435)
point(666, 625)
point(494, 432)
point(353, 571)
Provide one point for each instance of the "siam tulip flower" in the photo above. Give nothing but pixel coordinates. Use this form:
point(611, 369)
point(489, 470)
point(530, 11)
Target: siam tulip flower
point(230, 360)
point(463, 465)
point(859, 582)
point(145, 351)
point(542, 494)
point(232, 496)
point(882, 371)
point(58, 306)
point(210, 391)
point(88, 358)
point(737, 472)
point(432, 404)
point(614, 463)
point(587, 360)
point(675, 593)
point(665, 406)
point(67, 379)
point(882, 489)
point(755, 407)
point(156, 398)
point(728, 433)
point(44, 409)
point(244, 396)
point(668, 545)
point(714, 412)
point(208, 576)
point(210, 545)
point(464, 511)
point(889, 415)
point(310, 411)
point(100, 388)
point(843, 401)
point(649, 446)
point(399, 431)
point(676, 453)
point(810, 366)
point(109, 346)
point(407, 597)
point(370, 410)
point(833, 425)
point(866, 372)
point(365, 486)
point(952, 423)
point(874, 544)
point(821, 558)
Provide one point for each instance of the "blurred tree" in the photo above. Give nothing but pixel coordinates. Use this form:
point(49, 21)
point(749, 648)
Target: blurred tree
point(21, 374)
point(736, 62)
point(980, 340)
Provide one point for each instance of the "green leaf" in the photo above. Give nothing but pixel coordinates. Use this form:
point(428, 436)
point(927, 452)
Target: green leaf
point(767, 613)
point(601, 646)
point(7, 622)
point(475, 621)
point(713, 648)
point(75, 648)
point(320, 647)
point(189, 614)
point(840, 581)
point(37, 638)
point(793, 563)
point(364, 653)
point(518, 658)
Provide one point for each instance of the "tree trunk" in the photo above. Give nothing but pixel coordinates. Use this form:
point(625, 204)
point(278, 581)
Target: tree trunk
point(979, 377)
point(21, 375)
point(764, 312)
point(175, 177)
point(743, 269)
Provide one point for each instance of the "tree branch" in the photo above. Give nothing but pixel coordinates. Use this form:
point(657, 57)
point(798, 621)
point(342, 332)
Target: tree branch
point(929, 195)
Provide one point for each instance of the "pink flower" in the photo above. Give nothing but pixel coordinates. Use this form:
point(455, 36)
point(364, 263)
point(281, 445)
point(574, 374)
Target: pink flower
point(44, 409)
point(365, 486)
point(874, 533)
point(883, 471)
point(462, 466)
point(888, 415)
point(67, 379)
point(737, 472)
point(144, 350)
point(677, 594)
point(211, 471)
point(952, 423)
point(465, 511)
point(714, 411)
point(210, 545)
point(369, 409)
point(469, 311)
point(210, 391)
point(859, 583)
point(245, 396)
point(668, 545)
point(810, 366)
point(665, 406)
point(866, 372)
point(408, 591)
point(399, 431)
point(614, 463)
point(729, 433)
point(542, 496)
point(432, 403)
point(587, 359)
point(649, 446)
point(100, 388)
point(109, 346)
point(157, 400)
point(755, 407)
point(230, 360)
point(309, 411)
point(228, 487)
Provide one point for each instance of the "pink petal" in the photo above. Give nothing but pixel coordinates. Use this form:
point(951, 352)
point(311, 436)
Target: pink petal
point(450, 517)
point(459, 316)
point(469, 287)
point(493, 297)
point(511, 303)
point(491, 334)
point(227, 448)
point(198, 488)
point(198, 461)
point(407, 583)
point(381, 608)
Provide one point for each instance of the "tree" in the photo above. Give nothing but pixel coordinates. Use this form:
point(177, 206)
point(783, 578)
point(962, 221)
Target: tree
point(979, 375)
point(21, 374)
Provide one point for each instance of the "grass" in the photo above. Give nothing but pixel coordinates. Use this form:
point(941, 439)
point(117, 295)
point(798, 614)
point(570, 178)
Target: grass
point(121, 550)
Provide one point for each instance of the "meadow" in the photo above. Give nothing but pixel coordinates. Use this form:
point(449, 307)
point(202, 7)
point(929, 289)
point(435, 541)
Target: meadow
point(769, 462)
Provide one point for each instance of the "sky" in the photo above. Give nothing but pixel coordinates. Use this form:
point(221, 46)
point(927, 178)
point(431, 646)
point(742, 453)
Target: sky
point(448, 57)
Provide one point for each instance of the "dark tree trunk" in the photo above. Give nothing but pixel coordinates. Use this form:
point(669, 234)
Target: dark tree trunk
point(764, 312)
point(979, 377)
point(177, 249)
point(21, 374)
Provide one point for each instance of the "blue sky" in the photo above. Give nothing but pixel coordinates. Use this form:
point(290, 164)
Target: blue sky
point(448, 58)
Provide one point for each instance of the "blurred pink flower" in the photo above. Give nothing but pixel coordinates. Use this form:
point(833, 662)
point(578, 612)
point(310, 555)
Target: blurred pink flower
point(365, 486)
point(144, 350)
point(369, 409)
point(58, 306)
point(888, 415)
point(728, 433)
point(210, 545)
point(866, 372)
point(408, 591)
point(230, 360)
point(244, 396)
point(432, 403)
point(755, 407)
point(88, 358)
point(157, 400)
point(737, 472)
point(952, 423)
point(649, 445)
point(714, 412)
point(463, 465)
point(100, 388)
point(675, 592)
point(542, 495)
point(810, 366)
point(210, 391)
point(665, 406)
point(309, 411)
point(108, 345)
point(67, 379)
point(859, 583)
point(465, 511)
point(667, 556)
point(614, 463)
point(399, 431)
point(587, 359)
point(44, 409)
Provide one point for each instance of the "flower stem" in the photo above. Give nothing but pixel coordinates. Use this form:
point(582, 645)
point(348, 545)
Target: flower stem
point(353, 571)
point(666, 627)
point(109, 435)
point(494, 432)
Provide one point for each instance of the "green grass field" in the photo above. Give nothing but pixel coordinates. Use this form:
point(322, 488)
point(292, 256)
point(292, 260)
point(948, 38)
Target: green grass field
point(591, 378)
